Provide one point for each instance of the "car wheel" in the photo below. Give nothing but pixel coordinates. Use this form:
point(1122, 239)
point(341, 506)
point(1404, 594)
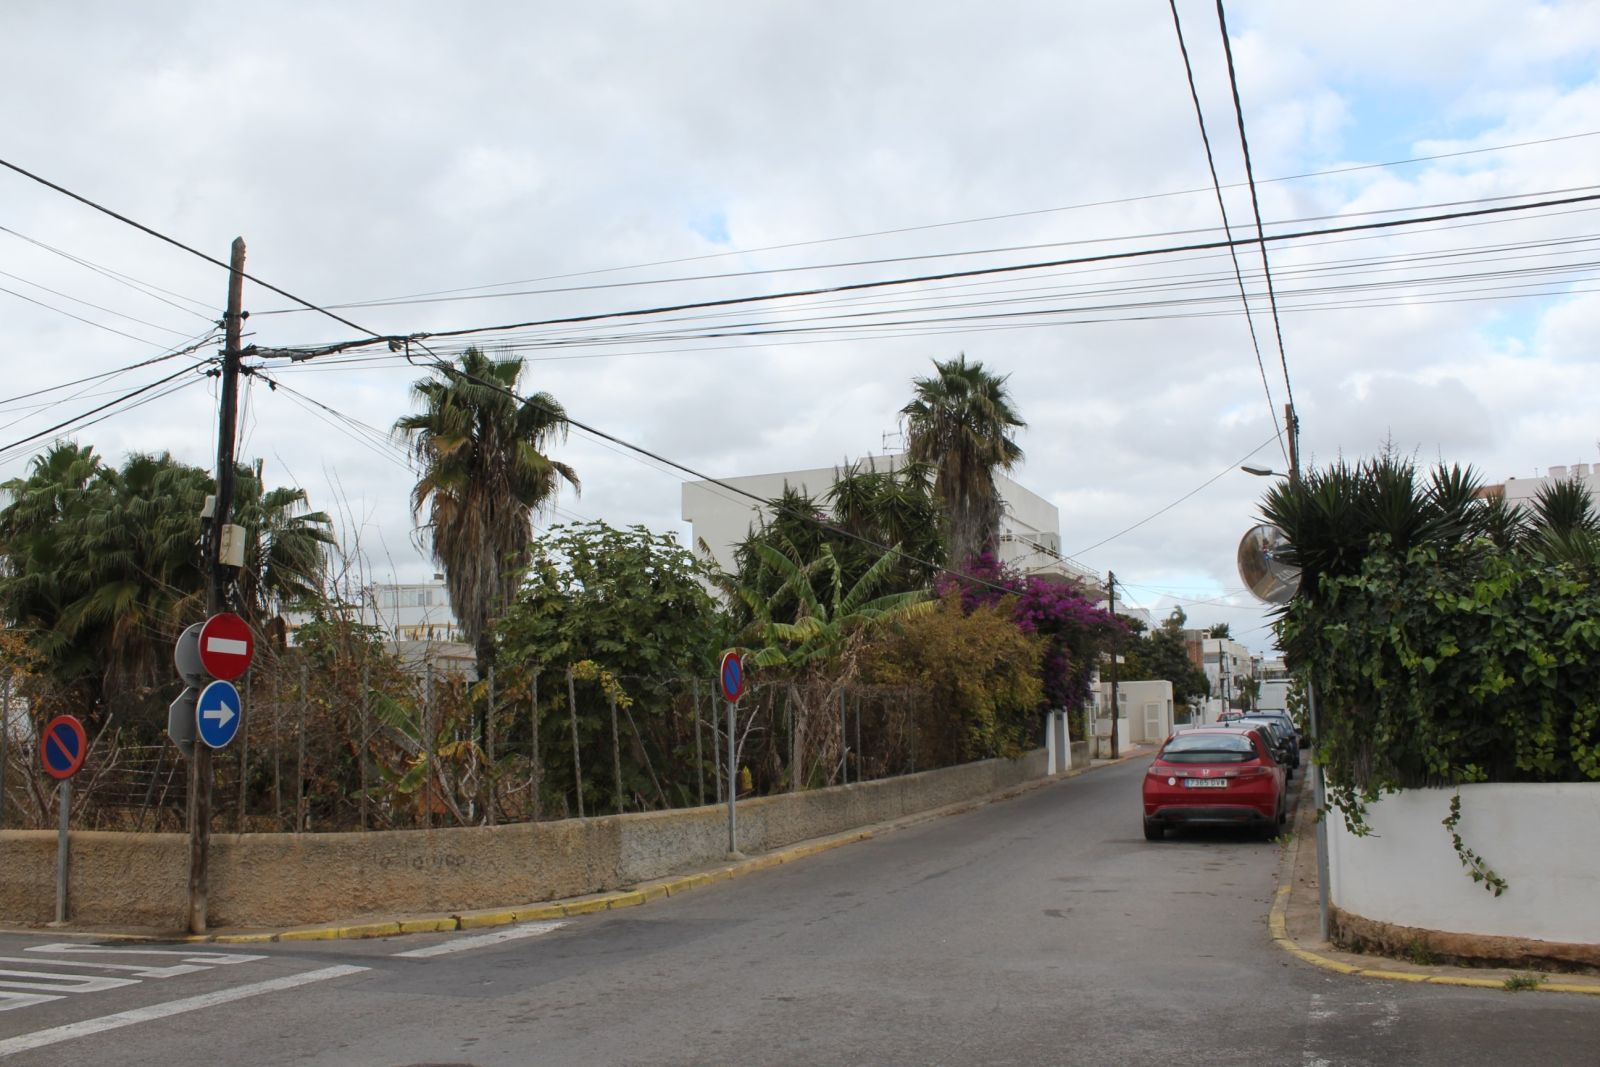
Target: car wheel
point(1153, 830)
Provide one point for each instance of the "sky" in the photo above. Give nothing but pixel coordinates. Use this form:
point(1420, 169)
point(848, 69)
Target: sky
point(455, 167)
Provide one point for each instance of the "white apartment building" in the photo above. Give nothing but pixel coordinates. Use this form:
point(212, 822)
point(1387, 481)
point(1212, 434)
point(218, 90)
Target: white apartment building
point(1030, 528)
point(1225, 661)
point(1523, 490)
point(416, 611)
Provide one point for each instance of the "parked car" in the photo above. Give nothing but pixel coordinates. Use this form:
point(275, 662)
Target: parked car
point(1286, 727)
point(1224, 776)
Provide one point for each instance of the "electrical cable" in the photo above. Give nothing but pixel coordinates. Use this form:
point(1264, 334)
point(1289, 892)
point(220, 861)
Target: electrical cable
point(1277, 436)
point(136, 284)
point(957, 222)
point(1255, 207)
point(179, 244)
point(79, 421)
point(1227, 228)
point(1105, 257)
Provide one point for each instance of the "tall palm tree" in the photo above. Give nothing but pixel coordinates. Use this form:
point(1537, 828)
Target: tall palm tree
point(960, 421)
point(483, 474)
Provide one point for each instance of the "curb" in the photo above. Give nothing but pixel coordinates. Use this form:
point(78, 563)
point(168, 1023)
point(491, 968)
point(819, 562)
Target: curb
point(1277, 927)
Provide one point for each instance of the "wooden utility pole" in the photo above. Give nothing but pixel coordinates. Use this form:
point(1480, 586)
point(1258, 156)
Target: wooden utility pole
point(1116, 654)
point(227, 428)
point(1292, 425)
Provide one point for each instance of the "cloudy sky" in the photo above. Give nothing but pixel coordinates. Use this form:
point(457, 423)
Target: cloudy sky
point(451, 167)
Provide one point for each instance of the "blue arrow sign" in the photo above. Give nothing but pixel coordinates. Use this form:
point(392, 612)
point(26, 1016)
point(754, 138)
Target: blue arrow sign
point(218, 714)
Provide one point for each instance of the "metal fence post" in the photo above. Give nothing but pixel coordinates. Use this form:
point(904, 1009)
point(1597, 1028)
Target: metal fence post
point(844, 742)
point(616, 752)
point(789, 702)
point(361, 749)
point(572, 711)
point(300, 752)
point(699, 756)
point(427, 746)
point(716, 734)
point(277, 760)
point(246, 714)
point(534, 769)
point(488, 762)
point(5, 748)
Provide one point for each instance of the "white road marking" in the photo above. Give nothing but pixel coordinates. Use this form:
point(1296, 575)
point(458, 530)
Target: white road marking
point(72, 1031)
point(137, 969)
point(67, 948)
point(46, 982)
point(464, 944)
point(8, 1000)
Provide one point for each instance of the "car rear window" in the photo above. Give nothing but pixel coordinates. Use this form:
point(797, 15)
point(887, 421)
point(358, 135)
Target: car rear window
point(1209, 748)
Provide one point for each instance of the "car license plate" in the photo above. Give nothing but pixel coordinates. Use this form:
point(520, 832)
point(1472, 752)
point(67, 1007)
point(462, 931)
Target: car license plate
point(1205, 783)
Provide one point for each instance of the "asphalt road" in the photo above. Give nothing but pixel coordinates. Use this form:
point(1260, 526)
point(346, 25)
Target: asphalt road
point(1039, 930)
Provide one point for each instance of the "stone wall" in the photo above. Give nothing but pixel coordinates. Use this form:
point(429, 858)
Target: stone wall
point(293, 879)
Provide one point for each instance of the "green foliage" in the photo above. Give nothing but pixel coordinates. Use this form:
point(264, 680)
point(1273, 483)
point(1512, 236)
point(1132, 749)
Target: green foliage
point(1162, 655)
point(960, 421)
point(103, 565)
point(865, 507)
point(980, 672)
point(1450, 639)
point(628, 611)
point(630, 600)
point(484, 473)
point(1519, 982)
point(823, 628)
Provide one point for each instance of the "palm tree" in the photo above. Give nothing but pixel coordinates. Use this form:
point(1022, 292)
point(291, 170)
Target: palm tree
point(960, 422)
point(483, 474)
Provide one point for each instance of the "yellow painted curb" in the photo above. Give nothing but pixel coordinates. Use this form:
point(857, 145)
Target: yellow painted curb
point(584, 907)
point(329, 933)
point(428, 926)
point(630, 899)
point(683, 885)
point(365, 930)
point(1278, 926)
point(488, 918)
point(541, 913)
point(1475, 983)
point(653, 892)
point(243, 939)
point(1393, 976)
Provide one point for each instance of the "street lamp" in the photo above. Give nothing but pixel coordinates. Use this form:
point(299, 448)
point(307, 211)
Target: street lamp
point(1263, 472)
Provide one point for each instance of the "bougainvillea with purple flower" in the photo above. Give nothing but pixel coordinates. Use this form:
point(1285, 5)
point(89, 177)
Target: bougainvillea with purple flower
point(1077, 629)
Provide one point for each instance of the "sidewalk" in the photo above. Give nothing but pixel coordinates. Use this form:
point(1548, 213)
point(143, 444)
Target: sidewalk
point(1293, 924)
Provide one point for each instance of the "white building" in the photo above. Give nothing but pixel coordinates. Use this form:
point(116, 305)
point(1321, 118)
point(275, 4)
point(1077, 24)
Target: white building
point(416, 611)
point(1225, 662)
point(1030, 528)
point(1523, 490)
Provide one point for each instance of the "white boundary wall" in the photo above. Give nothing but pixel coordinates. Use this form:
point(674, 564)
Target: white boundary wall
point(1543, 839)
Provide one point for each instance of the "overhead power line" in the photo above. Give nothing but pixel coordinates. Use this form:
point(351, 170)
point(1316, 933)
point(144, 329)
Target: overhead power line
point(1233, 253)
point(1353, 168)
point(1255, 207)
point(158, 235)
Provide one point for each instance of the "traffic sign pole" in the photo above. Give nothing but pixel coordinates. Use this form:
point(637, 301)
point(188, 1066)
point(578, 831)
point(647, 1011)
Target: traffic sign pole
point(733, 786)
point(730, 678)
point(64, 800)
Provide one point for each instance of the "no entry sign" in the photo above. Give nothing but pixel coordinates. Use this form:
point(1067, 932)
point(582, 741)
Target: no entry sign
point(731, 676)
point(63, 746)
point(226, 646)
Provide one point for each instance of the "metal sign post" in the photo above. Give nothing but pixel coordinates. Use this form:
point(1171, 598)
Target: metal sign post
point(62, 748)
point(731, 680)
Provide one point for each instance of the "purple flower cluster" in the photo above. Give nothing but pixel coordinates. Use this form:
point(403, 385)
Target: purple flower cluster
point(1075, 627)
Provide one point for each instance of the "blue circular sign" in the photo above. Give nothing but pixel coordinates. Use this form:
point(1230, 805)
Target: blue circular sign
point(217, 714)
point(732, 676)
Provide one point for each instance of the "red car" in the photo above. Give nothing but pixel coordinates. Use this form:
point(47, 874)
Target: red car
point(1216, 775)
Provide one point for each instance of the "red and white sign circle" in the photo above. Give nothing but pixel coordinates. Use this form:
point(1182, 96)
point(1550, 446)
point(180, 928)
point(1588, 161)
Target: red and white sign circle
point(226, 646)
